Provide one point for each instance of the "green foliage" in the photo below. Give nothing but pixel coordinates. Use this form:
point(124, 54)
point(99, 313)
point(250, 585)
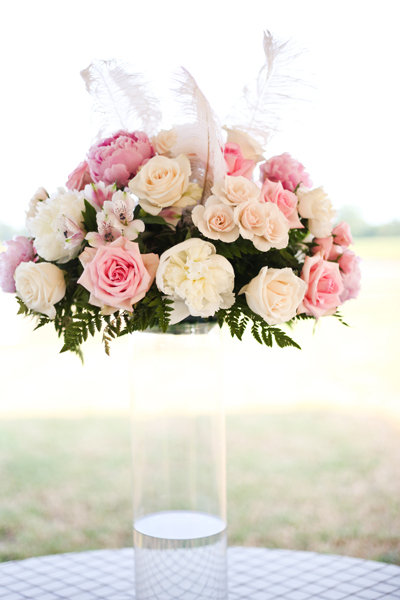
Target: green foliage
point(239, 316)
point(339, 317)
point(237, 249)
point(89, 217)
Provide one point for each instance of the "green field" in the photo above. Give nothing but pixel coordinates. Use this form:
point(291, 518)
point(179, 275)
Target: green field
point(313, 436)
point(315, 481)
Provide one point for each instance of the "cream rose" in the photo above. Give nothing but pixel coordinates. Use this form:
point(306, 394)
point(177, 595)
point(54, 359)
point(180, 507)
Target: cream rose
point(275, 294)
point(164, 141)
point(250, 148)
point(198, 280)
point(236, 190)
point(164, 182)
point(40, 286)
point(315, 206)
point(262, 223)
point(215, 220)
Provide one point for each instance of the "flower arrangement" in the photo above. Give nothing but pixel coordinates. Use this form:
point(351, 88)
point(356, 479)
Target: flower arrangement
point(157, 226)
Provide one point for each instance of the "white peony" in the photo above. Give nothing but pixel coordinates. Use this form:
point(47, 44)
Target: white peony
point(196, 278)
point(315, 206)
point(250, 148)
point(236, 189)
point(39, 196)
point(215, 220)
point(40, 286)
point(49, 225)
point(275, 294)
point(262, 223)
point(164, 182)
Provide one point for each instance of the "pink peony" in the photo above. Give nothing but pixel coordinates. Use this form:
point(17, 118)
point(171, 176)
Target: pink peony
point(117, 275)
point(79, 177)
point(19, 250)
point(326, 248)
point(342, 234)
point(286, 201)
point(351, 277)
point(117, 158)
point(287, 170)
point(324, 286)
point(235, 161)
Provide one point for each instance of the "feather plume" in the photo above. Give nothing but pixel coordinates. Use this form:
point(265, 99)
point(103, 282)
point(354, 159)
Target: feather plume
point(201, 138)
point(121, 98)
point(258, 111)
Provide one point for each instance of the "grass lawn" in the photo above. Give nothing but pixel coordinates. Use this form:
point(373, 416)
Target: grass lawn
point(318, 481)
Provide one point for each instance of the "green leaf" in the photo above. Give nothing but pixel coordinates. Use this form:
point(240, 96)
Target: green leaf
point(89, 217)
point(153, 220)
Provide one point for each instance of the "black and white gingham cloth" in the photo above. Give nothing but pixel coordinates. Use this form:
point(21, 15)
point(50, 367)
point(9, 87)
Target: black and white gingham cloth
point(254, 574)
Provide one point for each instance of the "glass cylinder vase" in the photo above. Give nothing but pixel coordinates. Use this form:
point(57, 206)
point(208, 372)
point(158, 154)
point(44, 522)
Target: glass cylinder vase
point(178, 440)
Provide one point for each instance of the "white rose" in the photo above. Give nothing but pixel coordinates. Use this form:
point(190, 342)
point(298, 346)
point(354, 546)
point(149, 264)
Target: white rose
point(164, 182)
point(262, 223)
point(236, 190)
point(164, 141)
point(40, 286)
point(196, 278)
point(215, 220)
point(275, 294)
point(250, 148)
point(48, 225)
point(315, 206)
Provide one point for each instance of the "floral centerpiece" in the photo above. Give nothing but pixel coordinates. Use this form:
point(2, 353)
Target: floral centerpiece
point(192, 222)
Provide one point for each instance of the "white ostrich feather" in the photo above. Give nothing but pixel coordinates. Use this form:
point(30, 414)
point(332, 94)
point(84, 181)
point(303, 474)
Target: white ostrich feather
point(121, 98)
point(201, 138)
point(259, 110)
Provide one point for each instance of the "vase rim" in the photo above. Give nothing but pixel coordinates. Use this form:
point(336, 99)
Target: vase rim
point(187, 327)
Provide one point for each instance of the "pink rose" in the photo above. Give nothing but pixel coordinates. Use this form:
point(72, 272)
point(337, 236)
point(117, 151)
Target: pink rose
point(326, 248)
point(235, 161)
point(117, 158)
point(19, 250)
point(117, 275)
point(287, 170)
point(79, 177)
point(285, 200)
point(347, 261)
point(342, 234)
point(324, 286)
point(351, 276)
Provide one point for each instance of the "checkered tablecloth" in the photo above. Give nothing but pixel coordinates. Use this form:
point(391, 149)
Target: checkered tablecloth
point(254, 574)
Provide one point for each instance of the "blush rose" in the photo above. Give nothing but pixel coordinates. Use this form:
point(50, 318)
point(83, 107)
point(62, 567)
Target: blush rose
point(324, 286)
point(117, 275)
point(342, 234)
point(235, 161)
point(285, 200)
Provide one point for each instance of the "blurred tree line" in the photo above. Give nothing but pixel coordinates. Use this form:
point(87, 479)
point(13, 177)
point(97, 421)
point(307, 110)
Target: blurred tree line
point(360, 227)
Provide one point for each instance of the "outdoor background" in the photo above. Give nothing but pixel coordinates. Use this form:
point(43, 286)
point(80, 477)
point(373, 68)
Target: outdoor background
point(313, 436)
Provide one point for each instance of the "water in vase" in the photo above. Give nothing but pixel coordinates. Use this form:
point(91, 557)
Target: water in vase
point(180, 555)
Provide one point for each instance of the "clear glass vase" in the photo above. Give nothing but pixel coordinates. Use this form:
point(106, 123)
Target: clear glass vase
point(178, 440)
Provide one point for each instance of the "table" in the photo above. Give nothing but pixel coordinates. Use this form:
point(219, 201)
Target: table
point(254, 574)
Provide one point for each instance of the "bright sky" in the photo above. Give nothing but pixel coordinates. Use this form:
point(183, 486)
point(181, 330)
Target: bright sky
point(346, 134)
